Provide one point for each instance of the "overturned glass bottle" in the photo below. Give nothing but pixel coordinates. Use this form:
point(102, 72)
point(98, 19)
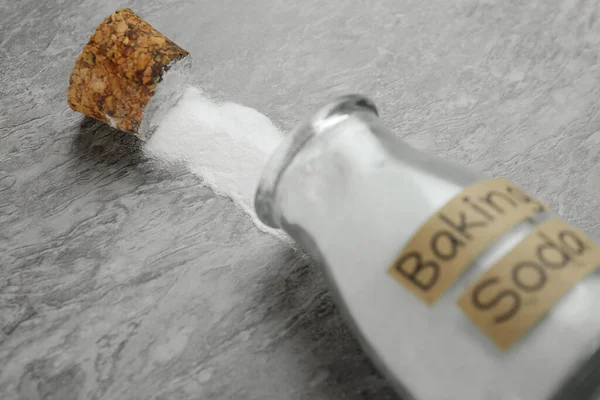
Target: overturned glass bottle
point(458, 286)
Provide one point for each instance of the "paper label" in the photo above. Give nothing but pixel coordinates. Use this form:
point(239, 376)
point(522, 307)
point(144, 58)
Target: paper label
point(508, 300)
point(448, 243)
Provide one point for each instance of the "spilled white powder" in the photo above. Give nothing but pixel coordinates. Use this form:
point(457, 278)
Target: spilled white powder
point(226, 145)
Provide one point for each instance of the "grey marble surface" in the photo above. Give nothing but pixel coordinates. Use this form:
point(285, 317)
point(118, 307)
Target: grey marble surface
point(122, 280)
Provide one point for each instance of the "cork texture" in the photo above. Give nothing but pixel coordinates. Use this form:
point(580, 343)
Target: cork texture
point(118, 71)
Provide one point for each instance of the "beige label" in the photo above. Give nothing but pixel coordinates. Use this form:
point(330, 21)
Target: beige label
point(516, 292)
point(448, 243)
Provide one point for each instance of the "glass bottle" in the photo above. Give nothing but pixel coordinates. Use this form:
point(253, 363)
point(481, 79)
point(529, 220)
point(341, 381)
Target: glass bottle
point(353, 194)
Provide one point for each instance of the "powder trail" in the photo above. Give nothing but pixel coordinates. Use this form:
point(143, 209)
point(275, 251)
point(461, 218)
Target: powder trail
point(227, 145)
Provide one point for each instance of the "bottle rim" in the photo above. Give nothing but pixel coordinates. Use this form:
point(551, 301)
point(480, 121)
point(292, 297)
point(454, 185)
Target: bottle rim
point(318, 123)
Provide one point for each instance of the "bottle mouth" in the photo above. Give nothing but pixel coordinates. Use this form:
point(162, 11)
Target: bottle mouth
point(320, 122)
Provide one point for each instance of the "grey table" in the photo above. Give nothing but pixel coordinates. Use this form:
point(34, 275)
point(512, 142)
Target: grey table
point(123, 280)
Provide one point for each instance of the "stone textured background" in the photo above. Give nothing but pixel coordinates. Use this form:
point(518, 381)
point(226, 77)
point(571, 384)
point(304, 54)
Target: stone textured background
point(121, 280)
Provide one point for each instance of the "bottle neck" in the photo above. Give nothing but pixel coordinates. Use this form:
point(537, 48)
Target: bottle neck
point(315, 126)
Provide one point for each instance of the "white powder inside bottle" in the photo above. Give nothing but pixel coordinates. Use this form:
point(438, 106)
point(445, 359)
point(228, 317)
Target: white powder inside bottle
point(226, 145)
point(361, 206)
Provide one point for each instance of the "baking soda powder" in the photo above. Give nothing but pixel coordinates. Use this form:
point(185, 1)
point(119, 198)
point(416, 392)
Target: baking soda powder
point(226, 145)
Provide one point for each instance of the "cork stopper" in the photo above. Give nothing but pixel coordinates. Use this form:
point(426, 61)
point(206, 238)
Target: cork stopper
point(120, 70)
